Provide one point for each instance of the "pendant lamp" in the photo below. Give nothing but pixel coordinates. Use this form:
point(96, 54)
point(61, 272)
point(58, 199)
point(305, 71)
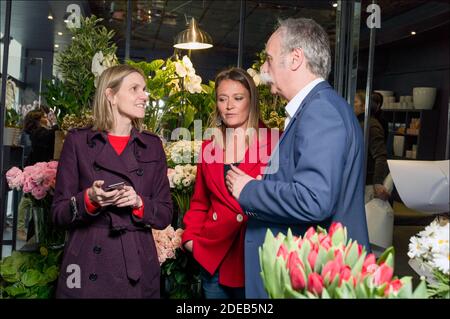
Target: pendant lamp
point(193, 38)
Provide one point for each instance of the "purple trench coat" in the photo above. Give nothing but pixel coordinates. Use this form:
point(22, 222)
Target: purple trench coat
point(110, 254)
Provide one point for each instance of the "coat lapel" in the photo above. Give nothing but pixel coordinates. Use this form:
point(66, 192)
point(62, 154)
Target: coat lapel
point(216, 171)
point(107, 158)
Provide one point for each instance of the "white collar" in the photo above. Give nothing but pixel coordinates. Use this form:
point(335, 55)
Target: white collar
point(297, 100)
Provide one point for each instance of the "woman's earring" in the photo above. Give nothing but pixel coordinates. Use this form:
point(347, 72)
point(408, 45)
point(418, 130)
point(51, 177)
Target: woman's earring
point(218, 121)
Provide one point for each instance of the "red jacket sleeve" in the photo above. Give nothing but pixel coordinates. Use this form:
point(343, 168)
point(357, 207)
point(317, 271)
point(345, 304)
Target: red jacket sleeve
point(196, 216)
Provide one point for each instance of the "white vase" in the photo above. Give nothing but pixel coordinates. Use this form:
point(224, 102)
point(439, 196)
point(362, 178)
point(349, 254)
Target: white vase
point(424, 97)
point(11, 136)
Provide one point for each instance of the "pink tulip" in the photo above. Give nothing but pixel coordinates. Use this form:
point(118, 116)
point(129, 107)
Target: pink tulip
point(345, 274)
point(370, 260)
point(393, 287)
point(297, 276)
point(310, 232)
point(312, 256)
point(326, 243)
point(283, 252)
point(315, 283)
point(332, 268)
point(383, 274)
point(293, 260)
point(334, 226)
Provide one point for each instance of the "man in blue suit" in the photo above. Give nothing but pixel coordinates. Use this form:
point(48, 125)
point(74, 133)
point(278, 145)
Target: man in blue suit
point(315, 176)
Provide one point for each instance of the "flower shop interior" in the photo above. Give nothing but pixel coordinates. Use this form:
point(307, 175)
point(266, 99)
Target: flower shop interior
point(48, 54)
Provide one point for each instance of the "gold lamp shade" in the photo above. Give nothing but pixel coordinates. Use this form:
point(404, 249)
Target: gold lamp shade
point(193, 38)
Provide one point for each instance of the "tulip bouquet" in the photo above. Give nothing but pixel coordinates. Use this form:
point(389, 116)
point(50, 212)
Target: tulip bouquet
point(327, 265)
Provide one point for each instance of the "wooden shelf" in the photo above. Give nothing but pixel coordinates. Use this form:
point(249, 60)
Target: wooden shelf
point(405, 110)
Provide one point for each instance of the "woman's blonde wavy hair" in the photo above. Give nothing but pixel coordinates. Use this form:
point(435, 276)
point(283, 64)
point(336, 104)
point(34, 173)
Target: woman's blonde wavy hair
point(102, 110)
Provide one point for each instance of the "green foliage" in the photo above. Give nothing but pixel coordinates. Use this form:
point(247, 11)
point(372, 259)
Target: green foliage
point(181, 277)
point(76, 91)
point(171, 105)
point(29, 274)
point(271, 105)
point(441, 288)
point(12, 118)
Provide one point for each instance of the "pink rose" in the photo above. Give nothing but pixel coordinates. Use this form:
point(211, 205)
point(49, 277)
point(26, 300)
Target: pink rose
point(39, 192)
point(14, 177)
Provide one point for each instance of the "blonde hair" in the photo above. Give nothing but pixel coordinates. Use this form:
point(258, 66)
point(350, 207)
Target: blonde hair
point(111, 78)
point(241, 76)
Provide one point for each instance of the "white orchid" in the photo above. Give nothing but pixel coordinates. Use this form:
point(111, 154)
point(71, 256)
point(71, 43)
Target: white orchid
point(193, 84)
point(255, 75)
point(100, 63)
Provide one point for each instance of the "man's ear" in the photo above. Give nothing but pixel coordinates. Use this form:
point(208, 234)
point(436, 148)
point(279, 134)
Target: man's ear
point(297, 59)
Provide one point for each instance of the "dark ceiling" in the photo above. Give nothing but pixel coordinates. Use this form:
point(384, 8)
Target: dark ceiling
point(156, 23)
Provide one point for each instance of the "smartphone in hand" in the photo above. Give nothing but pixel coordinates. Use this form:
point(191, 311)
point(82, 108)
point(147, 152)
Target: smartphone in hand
point(112, 187)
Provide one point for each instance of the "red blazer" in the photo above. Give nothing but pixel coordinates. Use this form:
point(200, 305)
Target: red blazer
point(215, 221)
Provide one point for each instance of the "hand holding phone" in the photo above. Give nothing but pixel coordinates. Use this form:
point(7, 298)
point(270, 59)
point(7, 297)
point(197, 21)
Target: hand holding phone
point(111, 187)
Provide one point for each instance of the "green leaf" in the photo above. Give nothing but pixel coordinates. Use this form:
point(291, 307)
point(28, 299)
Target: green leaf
point(421, 291)
point(352, 254)
point(31, 277)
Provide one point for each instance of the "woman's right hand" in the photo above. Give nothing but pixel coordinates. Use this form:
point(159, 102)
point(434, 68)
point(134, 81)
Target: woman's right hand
point(102, 198)
point(189, 245)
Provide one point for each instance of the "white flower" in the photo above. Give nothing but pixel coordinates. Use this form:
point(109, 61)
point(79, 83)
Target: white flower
point(187, 62)
point(416, 247)
point(441, 262)
point(177, 179)
point(179, 169)
point(186, 182)
point(180, 69)
point(193, 84)
point(255, 75)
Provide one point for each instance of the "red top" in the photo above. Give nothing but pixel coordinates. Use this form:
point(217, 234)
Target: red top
point(118, 143)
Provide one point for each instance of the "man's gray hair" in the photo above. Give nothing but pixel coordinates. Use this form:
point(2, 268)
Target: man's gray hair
point(309, 36)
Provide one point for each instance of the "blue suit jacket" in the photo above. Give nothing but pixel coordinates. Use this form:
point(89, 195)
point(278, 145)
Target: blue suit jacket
point(319, 179)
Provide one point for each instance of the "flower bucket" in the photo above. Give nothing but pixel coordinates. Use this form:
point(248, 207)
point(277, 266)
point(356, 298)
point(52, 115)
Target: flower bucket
point(45, 233)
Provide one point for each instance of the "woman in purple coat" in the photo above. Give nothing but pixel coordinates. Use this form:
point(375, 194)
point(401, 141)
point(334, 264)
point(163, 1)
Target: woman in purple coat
point(110, 252)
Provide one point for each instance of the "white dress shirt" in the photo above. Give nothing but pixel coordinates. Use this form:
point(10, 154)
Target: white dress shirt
point(295, 103)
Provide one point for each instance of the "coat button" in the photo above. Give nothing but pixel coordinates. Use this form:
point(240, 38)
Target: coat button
point(239, 218)
point(96, 167)
point(91, 144)
point(97, 250)
point(140, 172)
point(93, 277)
point(214, 216)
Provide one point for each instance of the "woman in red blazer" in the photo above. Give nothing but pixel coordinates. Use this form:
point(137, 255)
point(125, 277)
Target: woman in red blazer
point(215, 223)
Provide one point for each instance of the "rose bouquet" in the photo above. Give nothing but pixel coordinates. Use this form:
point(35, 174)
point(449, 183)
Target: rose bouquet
point(38, 183)
point(167, 242)
point(327, 265)
point(430, 256)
